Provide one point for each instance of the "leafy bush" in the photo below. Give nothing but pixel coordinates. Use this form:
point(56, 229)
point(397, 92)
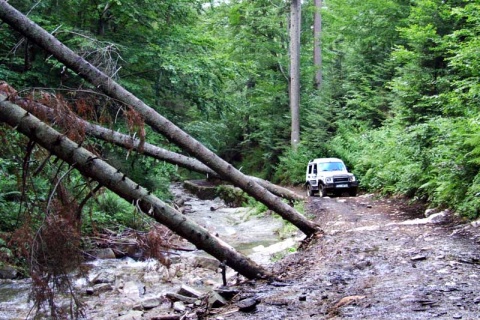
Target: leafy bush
point(436, 161)
point(113, 212)
point(292, 164)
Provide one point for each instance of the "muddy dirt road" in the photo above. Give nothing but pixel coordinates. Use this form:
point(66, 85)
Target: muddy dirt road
point(377, 259)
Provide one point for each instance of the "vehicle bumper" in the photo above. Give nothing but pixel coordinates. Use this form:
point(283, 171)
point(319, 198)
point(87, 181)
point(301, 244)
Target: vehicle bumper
point(337, 186)
point(341, 186)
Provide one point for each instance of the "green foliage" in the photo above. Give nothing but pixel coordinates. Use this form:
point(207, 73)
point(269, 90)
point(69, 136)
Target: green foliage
point(152, 174)
point(232, 196)
point(114, 212)
point(432, 161)
point(292, 164)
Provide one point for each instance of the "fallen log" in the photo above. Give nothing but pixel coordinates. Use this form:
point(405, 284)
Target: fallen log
point(125, 141)
point(160, 124)
point(93, 167)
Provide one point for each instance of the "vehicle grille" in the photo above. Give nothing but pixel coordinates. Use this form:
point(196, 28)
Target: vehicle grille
point(340, 179)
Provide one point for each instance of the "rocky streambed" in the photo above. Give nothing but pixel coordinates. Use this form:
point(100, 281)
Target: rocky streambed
point(127, 289)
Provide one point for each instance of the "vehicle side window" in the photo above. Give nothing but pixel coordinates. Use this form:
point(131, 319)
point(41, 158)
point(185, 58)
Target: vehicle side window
point(314, 169)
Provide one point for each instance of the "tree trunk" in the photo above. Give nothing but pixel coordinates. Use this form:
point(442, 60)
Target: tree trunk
point(125, 141)
point(317, 48)
point(295, 22)
point(160, 124)
point(91, 166)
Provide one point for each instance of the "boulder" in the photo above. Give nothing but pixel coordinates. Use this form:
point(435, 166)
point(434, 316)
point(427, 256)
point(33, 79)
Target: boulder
point(103, 277)
point(430, 211)
point(179, 306)
point(178, 297)
point(104, 253)
point(98, 289)
point(8, 272)
point(189, 292)
point(133, 289)
point(150, 303)
point(206, 263)
point(216, 300)
point(247, 305)
point(132, 315)
point(201, 189)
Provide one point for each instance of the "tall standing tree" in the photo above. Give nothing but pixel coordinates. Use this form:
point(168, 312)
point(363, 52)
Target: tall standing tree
point(317, 49)
point(295, 25)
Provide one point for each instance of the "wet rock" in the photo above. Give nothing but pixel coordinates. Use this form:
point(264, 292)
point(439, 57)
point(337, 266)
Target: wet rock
point(132, 315)
point(217, 207)
point(178, 297)
point(133, 289)
point(429, 212)
point(227, 293)
point(179, 306)
point(165, 317)
point(216, 300)
point(138, 307)
point(129, 248)
point(98, 289)
point(200, 189)
point(189, 292)
point(247, 305)
point(440, 217)
point(104, 253)
point(104, 277)
point(180, 201)
point(418, 257)
point(8, 272)
point(279, 284)
point(206, 263)
point(150, 303)
point(476, 300)
point(457, 316)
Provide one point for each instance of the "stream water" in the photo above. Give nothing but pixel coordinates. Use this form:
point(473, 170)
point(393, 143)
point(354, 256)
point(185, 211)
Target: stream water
point(114, 287)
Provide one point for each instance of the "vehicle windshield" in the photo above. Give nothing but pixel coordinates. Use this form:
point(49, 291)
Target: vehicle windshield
point(331, 166)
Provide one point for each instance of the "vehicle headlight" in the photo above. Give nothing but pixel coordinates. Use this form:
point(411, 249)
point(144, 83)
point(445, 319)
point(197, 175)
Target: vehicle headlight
point(328, 180)
point(351, 179)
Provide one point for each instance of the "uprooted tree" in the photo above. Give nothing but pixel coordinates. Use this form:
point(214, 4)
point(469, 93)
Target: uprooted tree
point(158, 123)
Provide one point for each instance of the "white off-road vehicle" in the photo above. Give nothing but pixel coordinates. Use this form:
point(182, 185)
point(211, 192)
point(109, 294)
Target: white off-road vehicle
point(329, 176)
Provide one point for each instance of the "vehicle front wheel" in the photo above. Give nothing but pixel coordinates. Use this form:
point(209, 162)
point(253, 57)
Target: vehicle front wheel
point(322, 191)
point(309, 191)
point(352, 192)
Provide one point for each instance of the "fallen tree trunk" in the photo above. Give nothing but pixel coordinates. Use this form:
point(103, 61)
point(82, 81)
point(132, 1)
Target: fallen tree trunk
point(160, 124)
point(91, 166)
point(125, 141)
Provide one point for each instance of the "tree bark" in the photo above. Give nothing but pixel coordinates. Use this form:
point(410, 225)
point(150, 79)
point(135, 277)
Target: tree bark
point(317, 48)
point(45, 113)
point(295, 22)
point(160, 124)
point(91, 166)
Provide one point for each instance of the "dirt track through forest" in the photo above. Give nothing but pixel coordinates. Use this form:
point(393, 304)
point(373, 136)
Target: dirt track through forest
point(377, 259)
